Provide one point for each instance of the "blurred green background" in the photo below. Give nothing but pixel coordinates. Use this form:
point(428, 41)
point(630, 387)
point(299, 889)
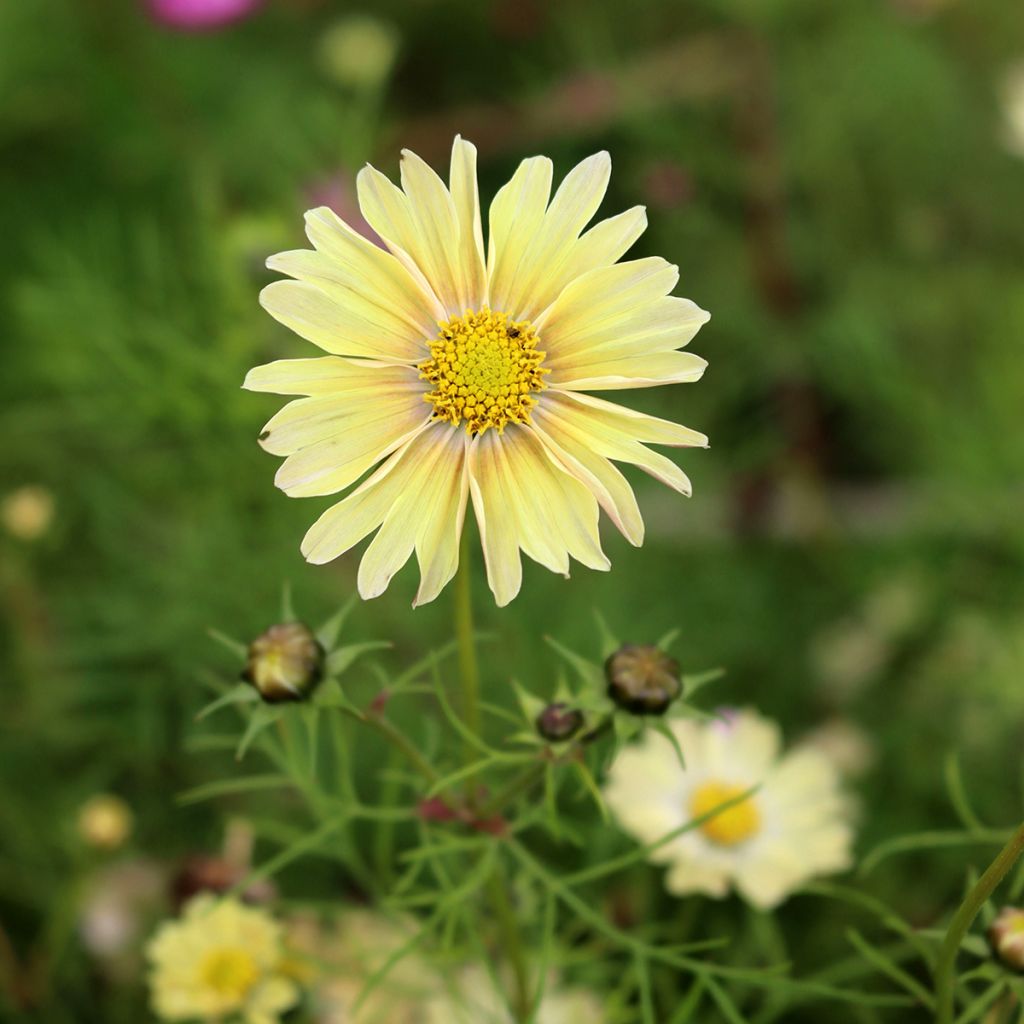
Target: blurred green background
point(841, 187)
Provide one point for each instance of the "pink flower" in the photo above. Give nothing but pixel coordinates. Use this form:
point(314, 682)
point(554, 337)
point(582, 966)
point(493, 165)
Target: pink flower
point(196, 15)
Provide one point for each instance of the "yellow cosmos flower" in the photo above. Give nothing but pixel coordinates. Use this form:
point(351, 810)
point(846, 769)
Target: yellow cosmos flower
point(221, 959)
point(456, 376)
point(792, 827)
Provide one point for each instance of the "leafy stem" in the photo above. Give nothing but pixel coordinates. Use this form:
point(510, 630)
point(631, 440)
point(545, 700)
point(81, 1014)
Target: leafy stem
point(945, 965)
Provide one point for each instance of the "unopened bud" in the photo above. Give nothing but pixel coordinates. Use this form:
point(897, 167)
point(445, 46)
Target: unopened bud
point(642, 679)
point(559, 722)
point(1006, 937)
point(285, 662)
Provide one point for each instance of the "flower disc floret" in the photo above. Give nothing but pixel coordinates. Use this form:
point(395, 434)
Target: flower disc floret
point(484, 369)
point(732, 825)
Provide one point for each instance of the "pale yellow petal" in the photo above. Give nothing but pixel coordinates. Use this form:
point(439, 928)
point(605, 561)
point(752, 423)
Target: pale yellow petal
point(466, 196)
point(308, 421)
point(443, 506)
point(601, 246)
point(320, 376)
point(434, 214)
point(542, 271)
point(433, 474)
point(388, 211)
point(356, 295)
point(690, 876)
point(605, 297)
point(612, 433)
point(605, 482)
point(395, 284)
point(346, 523)
point(643, 327)
point(639, 372)
point(641, 425)
point(330, 465)
point(336, 328)
point(515, 216)
point(525, 499)
point(423, 227)
point(498, 533)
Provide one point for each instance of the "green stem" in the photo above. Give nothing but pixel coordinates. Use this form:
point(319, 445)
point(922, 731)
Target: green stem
point(469, 681)
point(399, 740)
point(511, 942)
point(516, 785)
point(945, 966)
point(469, 670)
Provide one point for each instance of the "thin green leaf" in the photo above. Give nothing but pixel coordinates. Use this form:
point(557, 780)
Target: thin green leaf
point(242, 693)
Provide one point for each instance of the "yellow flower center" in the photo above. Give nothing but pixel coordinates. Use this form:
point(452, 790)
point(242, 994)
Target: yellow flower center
point(735, 824)
point(484, 367)
point(230, 972)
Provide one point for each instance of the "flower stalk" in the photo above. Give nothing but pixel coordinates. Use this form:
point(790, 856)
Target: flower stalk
point(945, 966)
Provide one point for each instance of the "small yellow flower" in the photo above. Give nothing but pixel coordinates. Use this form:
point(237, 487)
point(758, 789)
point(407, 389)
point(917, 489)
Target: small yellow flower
point(456, 374)
point(221, 958)
point(27, 512)
point(791, 827)
point(105, 821)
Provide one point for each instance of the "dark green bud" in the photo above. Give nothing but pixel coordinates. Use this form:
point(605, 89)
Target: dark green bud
point(642, 679)
point(558, 722)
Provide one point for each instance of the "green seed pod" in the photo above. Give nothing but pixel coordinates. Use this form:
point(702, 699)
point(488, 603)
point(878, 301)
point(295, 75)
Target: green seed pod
point(558, 722)
point(642, 679)
point(1006, 937)
point(285, 663)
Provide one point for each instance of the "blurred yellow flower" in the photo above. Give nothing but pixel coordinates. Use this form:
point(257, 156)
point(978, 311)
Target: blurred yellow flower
point(337, 959)
point(462, 375)
point(1013, 109)
point(221, 958)
point(105, 821)
point(792, 827)
point(473, 999)
point(27, 512)
point(359, 50)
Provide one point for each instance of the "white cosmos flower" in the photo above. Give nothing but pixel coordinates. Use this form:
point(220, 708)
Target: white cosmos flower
point(793, 827)
point(454, 376)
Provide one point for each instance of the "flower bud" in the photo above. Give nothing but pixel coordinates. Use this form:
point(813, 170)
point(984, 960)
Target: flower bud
point(558, 722)
point(1006, 937)
point(105, 821)
point(285, 662)
point(642, 679)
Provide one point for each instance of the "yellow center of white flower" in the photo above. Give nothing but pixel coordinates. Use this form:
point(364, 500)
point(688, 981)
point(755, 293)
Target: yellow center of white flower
point(731, 826)
point(484, 368)
point(230, 972)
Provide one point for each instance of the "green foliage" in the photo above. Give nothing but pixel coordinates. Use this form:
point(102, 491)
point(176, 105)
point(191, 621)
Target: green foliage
point(832, 181)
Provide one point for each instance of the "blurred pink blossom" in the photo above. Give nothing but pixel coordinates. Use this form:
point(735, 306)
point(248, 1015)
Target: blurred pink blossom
point(196, 15)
